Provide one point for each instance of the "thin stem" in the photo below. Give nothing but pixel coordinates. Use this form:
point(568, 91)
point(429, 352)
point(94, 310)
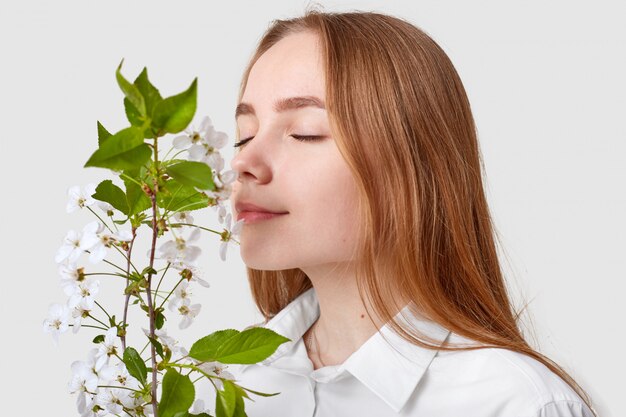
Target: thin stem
point(144, 348)
point(175, 155)
point(127, 259)
point(127, 299)
point(110, 263)
point(104, 324)
point(103, 222)
point(195, 225)
point(173, 289)
point(161, 280)
point(148, 288)
point(93, 327)
point(105, 273)
point(120, 387)
point(131, 179)
point(102, 308)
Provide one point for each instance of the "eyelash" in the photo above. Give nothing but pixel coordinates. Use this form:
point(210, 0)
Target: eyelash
point(303, 138)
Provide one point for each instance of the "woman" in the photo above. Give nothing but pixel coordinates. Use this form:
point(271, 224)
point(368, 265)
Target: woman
point(379, 260)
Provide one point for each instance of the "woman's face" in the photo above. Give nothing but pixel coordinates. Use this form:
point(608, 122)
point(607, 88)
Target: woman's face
point(308, 180)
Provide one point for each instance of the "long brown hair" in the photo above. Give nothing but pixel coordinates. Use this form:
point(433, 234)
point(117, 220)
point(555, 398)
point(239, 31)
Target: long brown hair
point(401, 119)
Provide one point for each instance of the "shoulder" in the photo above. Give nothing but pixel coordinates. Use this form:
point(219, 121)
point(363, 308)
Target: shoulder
point(515, 380)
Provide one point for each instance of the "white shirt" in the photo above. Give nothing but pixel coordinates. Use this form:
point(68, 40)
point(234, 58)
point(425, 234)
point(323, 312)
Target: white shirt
point(378, 381)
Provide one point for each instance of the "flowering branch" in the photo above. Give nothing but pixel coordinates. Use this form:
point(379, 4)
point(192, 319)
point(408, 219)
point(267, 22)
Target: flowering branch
point(114, 379)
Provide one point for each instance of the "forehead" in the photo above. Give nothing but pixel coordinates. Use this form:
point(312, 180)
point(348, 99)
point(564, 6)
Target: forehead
point(291, 67)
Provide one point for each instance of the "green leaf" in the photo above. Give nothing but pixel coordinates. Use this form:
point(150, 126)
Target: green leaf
point(188, 414)
point(193, 173)
point(151, 97)
point(103, 134)
point(135, 365)
point(98, 339)
point(231, 346)
point(174, 113)
point(159, 320)
point(157, 346)
point(131, 91)
point(177, 395)
point(111, 193)
point(137, 200)
point(240, 407)
point(263, 394)
point(132, 114)
point(149, 92)
point(124, 150)
point(226, 400)
point(174, 196)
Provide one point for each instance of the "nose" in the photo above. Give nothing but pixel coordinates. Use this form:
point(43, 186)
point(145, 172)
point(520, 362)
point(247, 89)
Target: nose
point(251, 163)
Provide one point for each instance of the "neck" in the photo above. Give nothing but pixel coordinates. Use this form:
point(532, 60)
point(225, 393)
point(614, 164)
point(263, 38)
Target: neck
point(343, 325)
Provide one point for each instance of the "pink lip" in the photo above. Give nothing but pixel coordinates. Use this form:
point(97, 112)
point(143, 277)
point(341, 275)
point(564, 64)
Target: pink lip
point(256, 216)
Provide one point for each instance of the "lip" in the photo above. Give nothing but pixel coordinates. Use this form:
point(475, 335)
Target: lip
point(243, 206)
point(252, 213)
point(257, 216)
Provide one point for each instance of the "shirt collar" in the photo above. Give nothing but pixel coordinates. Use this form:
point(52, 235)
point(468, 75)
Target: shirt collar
point(398, 366)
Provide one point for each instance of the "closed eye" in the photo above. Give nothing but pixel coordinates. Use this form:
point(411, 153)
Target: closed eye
point(303, 138)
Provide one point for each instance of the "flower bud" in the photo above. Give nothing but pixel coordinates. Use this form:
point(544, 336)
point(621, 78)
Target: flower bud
point(146, 189)
point(186, 273)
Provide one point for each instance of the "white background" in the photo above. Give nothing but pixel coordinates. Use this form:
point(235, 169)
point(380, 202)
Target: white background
point(547, 85)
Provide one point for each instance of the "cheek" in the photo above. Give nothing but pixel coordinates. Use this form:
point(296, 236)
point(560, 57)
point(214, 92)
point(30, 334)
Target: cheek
point(328, 204)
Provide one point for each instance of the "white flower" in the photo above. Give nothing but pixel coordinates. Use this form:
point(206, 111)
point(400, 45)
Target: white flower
point(71, 248)
point(228, 234)
point(190, 270)
point(57, 321)
point(106, 207)
point(71, 276)
point(222, 191)
point(184, 217)
point(107, 348)
point(183, 291)
point(118, 374)
point(221, 212)
point(179, 250)
point(192, 136)
point(85, 290)
point(138, 407)
point(92, 409)
point(217, 369)
point(114, 399)
point(189, 312)
point(203, 146)
point(84, 380)
point(167, 342)
point(97, 241)
point(80, 311)
point(198, 406)
point(79, 199)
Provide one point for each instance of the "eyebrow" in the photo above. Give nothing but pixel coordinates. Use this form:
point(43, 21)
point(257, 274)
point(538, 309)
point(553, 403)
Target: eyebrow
point(282, 105)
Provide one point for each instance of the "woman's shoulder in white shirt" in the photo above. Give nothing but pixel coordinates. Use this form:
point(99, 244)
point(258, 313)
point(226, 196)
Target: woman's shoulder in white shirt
point(505, 379)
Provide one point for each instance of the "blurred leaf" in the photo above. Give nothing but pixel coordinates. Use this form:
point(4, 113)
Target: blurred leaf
point(226, 400)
